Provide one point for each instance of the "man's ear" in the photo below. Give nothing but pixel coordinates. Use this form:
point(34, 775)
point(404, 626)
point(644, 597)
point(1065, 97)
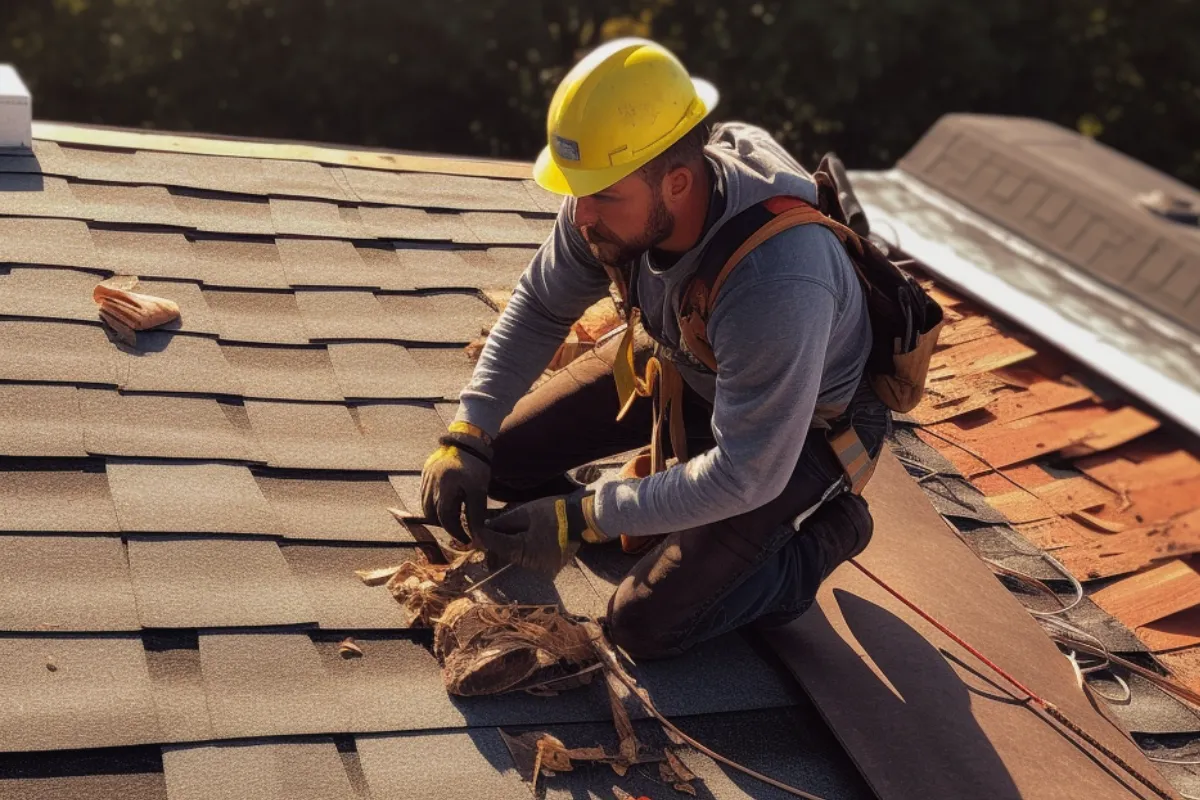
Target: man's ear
point(677, 185)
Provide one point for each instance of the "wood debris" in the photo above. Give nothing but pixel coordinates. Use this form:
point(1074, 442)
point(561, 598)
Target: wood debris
point(349, 648)
point(1098, 484)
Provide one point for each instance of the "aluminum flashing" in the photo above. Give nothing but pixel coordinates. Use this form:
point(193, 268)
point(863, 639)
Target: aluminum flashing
point(1085, 210)
point(1149, 356)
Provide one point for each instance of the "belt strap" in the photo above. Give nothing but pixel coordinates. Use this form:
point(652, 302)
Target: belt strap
point(660, 381)
point(852, 454)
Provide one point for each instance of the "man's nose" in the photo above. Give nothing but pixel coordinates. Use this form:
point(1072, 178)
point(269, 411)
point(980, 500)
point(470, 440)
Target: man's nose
point(585, 212)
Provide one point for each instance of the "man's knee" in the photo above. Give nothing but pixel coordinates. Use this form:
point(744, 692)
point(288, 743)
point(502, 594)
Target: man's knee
point(633, 625)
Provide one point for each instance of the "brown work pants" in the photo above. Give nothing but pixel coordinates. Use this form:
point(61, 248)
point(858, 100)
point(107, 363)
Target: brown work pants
point(701, 582)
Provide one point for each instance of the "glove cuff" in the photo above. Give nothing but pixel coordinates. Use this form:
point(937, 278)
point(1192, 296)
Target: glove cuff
point(469, 439)
point(581, 518)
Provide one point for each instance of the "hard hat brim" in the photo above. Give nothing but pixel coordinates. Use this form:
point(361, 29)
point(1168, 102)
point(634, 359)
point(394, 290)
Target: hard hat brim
point(553, 177)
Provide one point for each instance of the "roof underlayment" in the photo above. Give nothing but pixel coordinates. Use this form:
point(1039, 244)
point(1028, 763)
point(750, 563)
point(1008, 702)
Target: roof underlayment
point(181, 522)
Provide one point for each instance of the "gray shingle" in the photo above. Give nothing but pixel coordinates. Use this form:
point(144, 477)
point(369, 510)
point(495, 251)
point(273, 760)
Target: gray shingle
point(261, 317)
point(161, 426)
point(53, 501)
point(449, 318)
point(239, 263)
point(314, 218)
point(284, 373)
point(294, 770)
point(188, 498)
point(75, 692)
point(147, 254)
point(176, 362)
point(261, 684)
point(346, 314)
point(341, 599)
point(65, 583)
point(60, 242)
point(66, 353)
point(40, 421)
point(141, 205)
point(349, 509)
point(404, 434)
point(214, 212)
point(324, 263)
point(310, 436)
point(214, 583)
point(385, 371)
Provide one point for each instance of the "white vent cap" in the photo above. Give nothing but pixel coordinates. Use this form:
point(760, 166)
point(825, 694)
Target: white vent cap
point(16, 110)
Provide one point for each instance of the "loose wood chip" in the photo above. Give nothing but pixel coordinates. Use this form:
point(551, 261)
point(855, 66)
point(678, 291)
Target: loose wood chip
point(1037, 399)
point(349, 648)
point(981, 355)
point(1151, 595)
point(377, 577)
point(1098, 523)
point(1134, 549)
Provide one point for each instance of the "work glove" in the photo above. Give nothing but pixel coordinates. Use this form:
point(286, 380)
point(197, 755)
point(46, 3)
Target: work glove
point(455, 475)
point(543, 535)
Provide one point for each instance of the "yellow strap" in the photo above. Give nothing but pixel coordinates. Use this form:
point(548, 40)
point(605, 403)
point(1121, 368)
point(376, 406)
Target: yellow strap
point(560, 511)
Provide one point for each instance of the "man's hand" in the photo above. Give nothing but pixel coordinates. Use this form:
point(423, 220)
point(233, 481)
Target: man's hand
point(457, 474)
point(542, 536)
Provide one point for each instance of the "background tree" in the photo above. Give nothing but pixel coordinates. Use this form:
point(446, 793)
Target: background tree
point(865, 78)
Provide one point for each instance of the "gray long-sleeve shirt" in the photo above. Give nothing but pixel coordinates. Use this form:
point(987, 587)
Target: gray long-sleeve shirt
point(789, 330)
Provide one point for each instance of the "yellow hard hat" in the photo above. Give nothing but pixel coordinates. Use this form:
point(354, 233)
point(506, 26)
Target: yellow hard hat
point(623, 104)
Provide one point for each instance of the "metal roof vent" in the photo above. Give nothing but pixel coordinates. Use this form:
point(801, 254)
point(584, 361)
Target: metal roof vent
point(16, 110)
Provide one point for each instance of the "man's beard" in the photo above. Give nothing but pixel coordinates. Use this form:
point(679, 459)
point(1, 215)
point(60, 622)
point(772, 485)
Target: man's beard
point(608, 249)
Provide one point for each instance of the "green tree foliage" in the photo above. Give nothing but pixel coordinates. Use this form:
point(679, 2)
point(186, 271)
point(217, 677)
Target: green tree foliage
point(863, 77)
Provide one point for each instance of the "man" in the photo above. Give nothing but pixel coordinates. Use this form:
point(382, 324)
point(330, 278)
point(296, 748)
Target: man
point(647, 185)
